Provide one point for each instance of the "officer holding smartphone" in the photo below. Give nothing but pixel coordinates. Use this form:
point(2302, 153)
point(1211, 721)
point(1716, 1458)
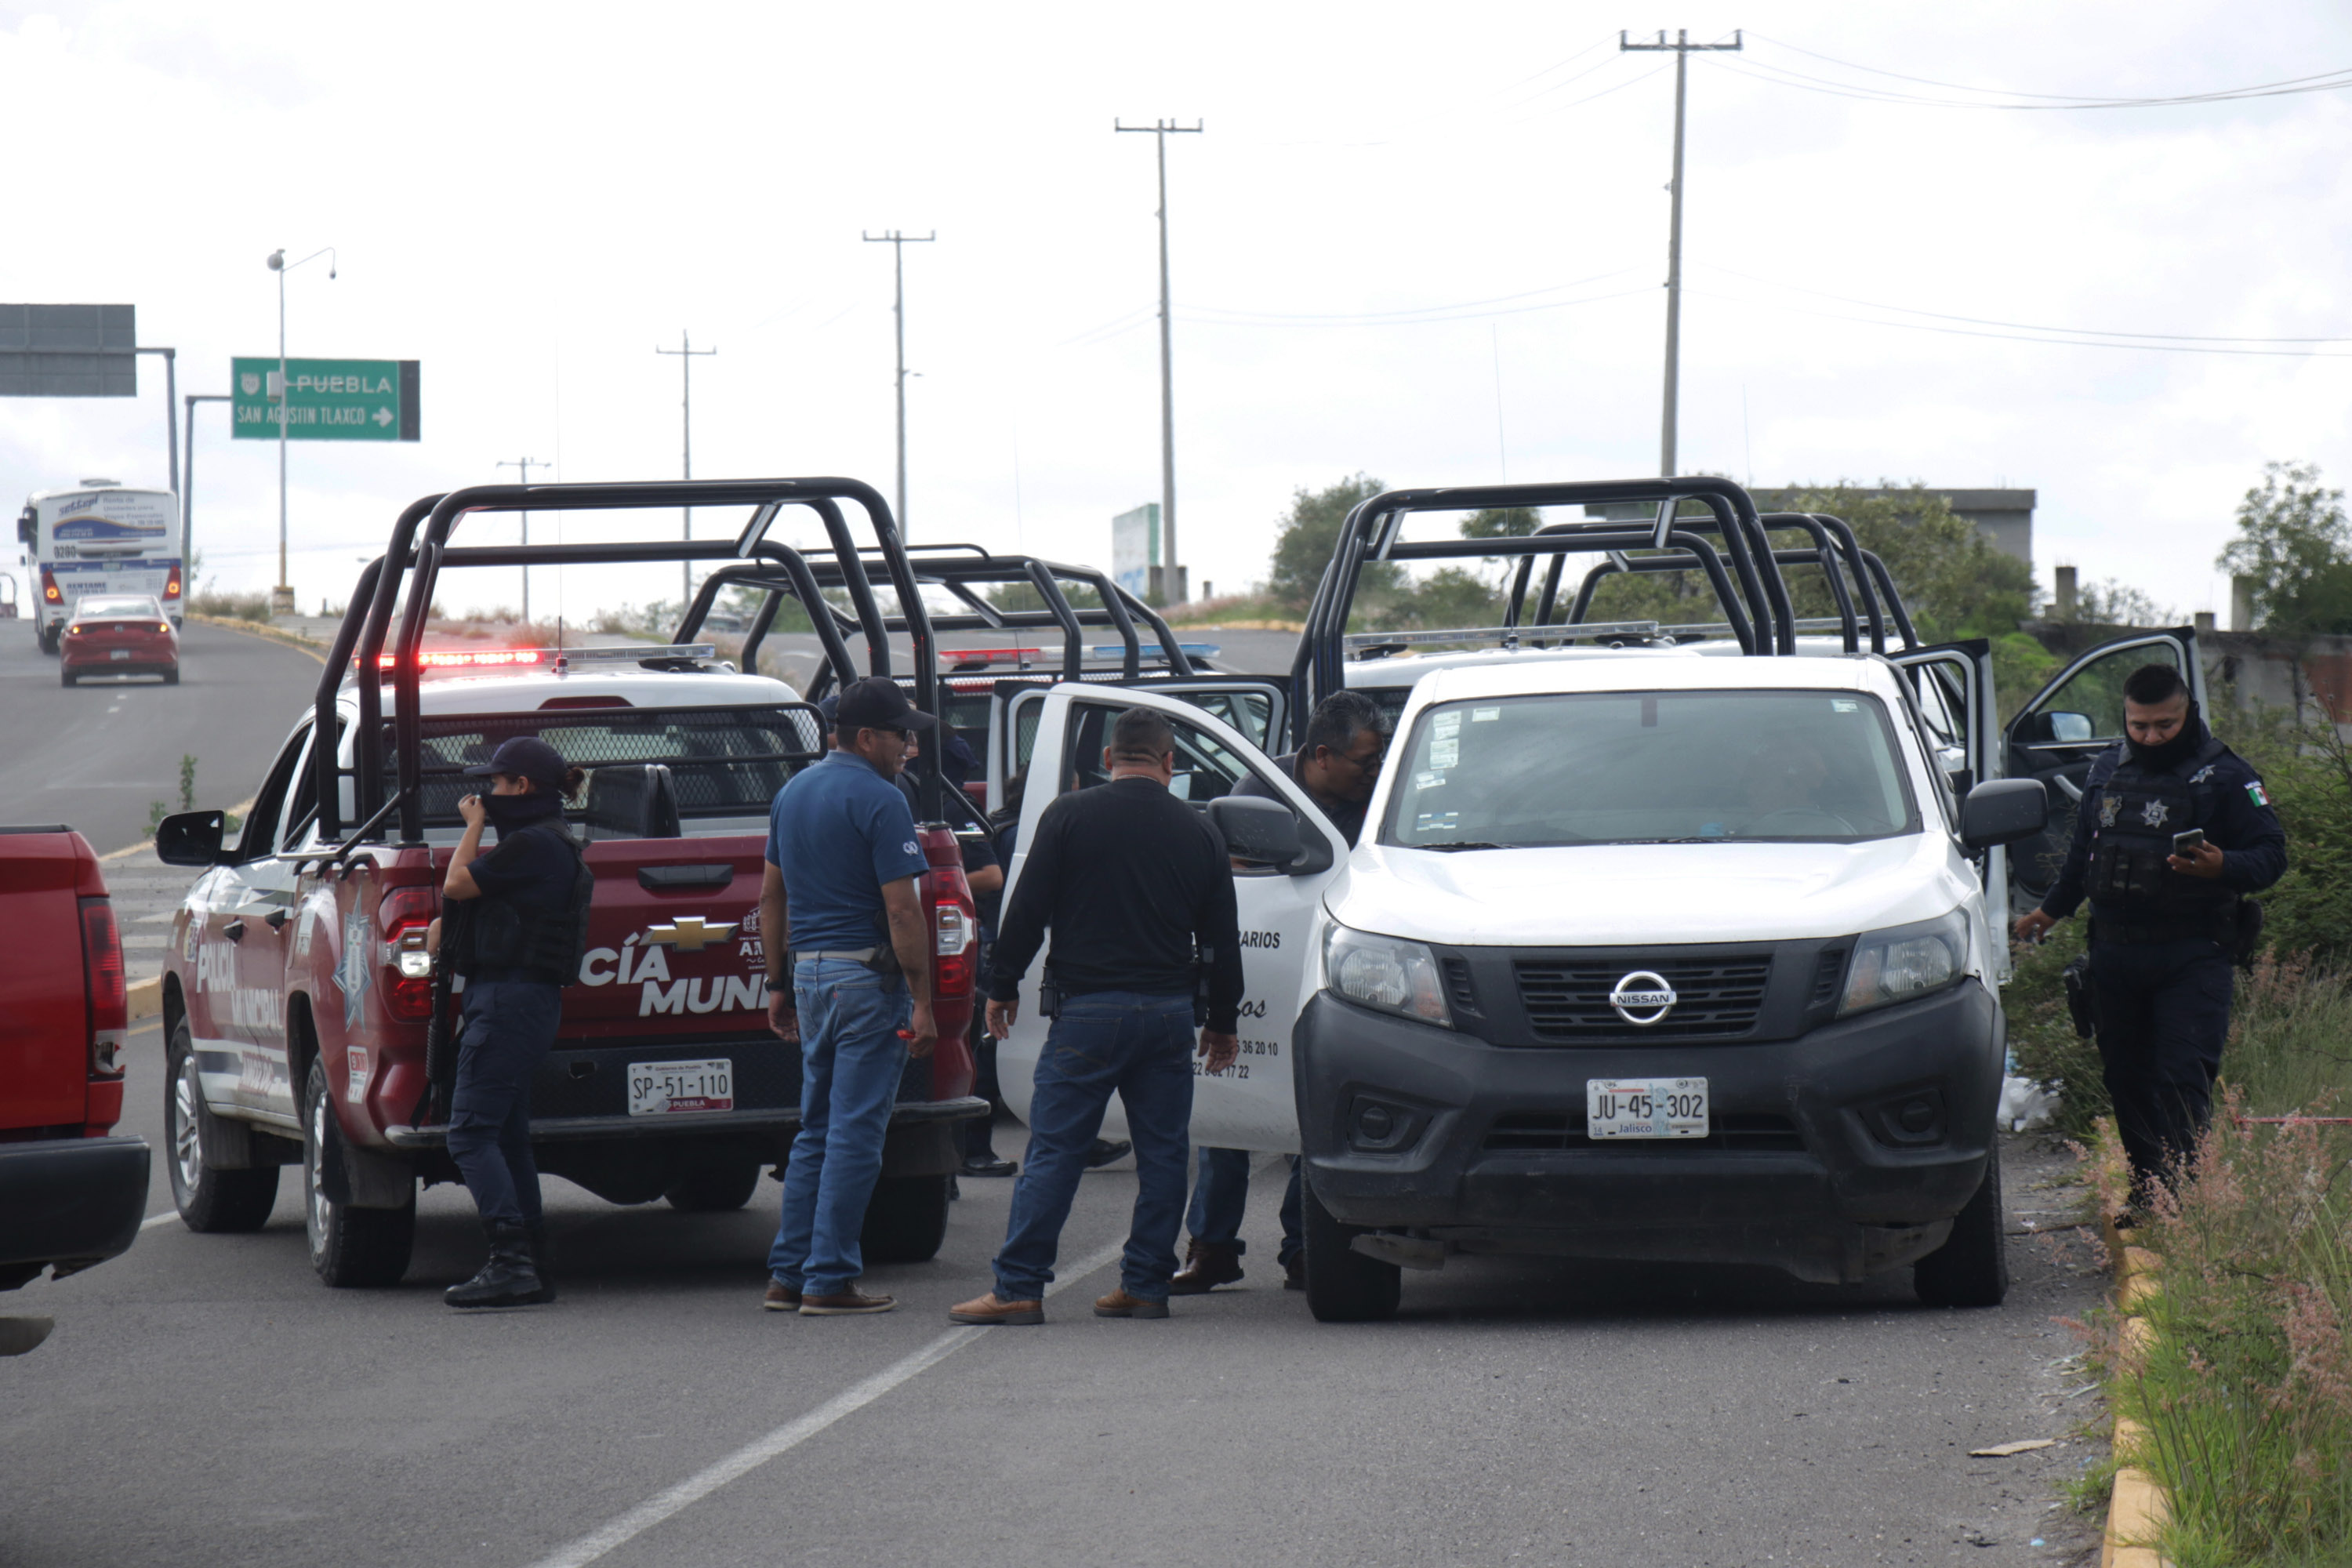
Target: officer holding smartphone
point(2173, 832)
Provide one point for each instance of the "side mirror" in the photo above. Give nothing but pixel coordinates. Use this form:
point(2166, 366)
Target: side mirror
point(1257, 828)
point(190, 838)
point(2050, 728)
point(2002, 811)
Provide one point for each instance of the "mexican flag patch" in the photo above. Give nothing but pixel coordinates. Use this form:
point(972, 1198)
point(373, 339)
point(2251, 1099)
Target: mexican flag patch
point(2254, 793)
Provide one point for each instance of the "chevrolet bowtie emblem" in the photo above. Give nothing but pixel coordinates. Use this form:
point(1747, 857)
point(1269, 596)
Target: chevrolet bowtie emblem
point(691, 934)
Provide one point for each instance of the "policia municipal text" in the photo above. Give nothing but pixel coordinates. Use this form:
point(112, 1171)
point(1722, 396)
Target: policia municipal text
point(2172, 832)
point(521, 947)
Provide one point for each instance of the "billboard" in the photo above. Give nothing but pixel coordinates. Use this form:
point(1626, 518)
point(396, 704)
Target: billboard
point(1135, 548)
point(109, 517)
point(68, 351)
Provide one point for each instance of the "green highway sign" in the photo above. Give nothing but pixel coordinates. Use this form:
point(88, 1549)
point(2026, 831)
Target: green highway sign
point(334, 399)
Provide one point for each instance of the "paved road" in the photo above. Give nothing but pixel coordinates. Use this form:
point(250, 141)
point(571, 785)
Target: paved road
point(94, 757)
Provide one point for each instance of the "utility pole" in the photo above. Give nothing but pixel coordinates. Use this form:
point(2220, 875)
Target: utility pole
point(527, 465)
point(1171, 587)
point(281, 600)
point(687, 355)
point(1682, 48)
point(898, 243)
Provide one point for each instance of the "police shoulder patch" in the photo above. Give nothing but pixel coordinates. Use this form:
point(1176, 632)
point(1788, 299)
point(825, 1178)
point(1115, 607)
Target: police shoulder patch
point(2254, 793)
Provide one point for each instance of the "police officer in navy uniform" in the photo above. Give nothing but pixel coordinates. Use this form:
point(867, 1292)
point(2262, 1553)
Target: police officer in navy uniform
point(523, 946)
point(2168, 919)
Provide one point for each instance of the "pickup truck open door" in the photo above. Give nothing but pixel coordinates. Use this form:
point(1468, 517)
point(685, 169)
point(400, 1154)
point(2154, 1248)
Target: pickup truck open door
point(1952, 685)
point(2062, 730)
point(1256, 706)
point(1250, 1105)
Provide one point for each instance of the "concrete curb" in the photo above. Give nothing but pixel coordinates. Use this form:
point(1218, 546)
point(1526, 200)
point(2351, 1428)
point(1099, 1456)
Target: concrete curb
point(266, 633)
point(2138, 1507)
point(146, 997)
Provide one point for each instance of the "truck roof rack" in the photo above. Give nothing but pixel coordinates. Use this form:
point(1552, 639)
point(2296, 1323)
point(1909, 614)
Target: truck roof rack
point(420, 548)
point(1732, 545)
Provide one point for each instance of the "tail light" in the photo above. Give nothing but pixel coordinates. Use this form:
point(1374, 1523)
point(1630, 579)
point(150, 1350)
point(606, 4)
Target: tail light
point(172, 586)
point(955, 947)
point(49, 588)
point(406, 916)
point(101, 970)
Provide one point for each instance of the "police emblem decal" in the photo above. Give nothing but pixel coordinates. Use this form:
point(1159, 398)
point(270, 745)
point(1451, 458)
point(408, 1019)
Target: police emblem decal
point(2154, 812)
point(2254, 793)
point(2108, 806)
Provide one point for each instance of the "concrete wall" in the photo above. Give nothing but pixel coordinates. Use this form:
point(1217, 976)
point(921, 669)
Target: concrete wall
point(2308, 677)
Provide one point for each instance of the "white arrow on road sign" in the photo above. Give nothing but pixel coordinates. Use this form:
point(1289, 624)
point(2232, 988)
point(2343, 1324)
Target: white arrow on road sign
point(383, 416)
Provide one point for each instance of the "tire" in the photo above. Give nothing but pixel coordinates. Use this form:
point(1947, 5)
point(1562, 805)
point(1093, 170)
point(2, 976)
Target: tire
point(716, 1187)
point(349, 1247)
point(1344, 1286)
point(172, 676)
point(1971, 1268)
point(48, 643)
point(906, 1220)
point(65, 677)
point(211, 1201)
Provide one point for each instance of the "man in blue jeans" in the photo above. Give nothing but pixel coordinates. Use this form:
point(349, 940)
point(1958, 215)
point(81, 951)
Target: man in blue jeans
point(844, 864)
point(1136, 890)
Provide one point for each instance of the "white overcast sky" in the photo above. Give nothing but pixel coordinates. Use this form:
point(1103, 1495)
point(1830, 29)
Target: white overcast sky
point(528, 199)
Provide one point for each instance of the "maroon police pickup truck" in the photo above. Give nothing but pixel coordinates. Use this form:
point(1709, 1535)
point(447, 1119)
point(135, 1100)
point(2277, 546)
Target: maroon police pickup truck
point(70, 1195)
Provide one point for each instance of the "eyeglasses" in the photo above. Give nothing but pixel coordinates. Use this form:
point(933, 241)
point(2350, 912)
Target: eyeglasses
point(1369, 762)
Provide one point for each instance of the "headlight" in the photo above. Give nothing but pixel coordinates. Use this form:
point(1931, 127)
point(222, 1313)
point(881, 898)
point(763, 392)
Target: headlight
point(1904, 962)
point(1387, 973)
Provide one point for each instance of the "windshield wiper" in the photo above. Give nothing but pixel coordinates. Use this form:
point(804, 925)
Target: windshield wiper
point(1463, 843)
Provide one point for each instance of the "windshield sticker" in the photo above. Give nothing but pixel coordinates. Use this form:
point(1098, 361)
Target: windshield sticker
point(1446, 724)
point(1436, 821)
point(1844, 705)
point(1429, 780)
point(1444, 752)
point(1485, 715)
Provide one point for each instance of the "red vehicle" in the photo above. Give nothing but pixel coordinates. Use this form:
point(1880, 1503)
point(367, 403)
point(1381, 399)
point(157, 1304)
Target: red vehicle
point(298, 990)
point(70, 1194)
point(117, 633)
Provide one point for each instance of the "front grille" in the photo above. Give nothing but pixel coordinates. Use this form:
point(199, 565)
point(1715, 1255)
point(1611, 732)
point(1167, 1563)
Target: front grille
point(1827, 973)
point(1569, 1000)
point(1557, 1130)
point(1458, 987)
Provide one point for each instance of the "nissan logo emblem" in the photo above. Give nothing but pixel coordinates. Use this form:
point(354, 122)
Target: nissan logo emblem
point(1642, 999)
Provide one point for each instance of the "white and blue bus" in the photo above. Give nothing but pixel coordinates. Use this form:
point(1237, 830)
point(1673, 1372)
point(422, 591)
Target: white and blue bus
point(100, 538)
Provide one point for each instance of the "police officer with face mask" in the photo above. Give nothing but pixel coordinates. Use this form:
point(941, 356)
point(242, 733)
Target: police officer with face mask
point(2172, 833)
point(523, 944)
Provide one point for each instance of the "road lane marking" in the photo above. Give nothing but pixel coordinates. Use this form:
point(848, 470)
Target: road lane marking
point(793, 1434)
point(152, 1220)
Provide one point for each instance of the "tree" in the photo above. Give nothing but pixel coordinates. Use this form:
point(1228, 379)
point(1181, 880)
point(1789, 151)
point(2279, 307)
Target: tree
point(1955, 581)
point(1305, 540)
point(1025, 596)
point(2294, 543)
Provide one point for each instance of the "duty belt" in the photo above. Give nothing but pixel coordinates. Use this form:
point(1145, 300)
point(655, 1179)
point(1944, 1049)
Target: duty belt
point(843, 955)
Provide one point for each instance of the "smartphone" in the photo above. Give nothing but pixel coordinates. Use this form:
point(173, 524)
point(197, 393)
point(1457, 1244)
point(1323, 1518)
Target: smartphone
point(2182, 842)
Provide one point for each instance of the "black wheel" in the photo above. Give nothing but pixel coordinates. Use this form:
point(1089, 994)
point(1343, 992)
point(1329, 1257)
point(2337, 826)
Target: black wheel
point(48, 640)
point(1344, 1286)
point(905, 1221)
point(172, 676)
point(65, 677)
point(208, 1199)
point(714, 1187)
point(349, 1247)
point(1971, 1268)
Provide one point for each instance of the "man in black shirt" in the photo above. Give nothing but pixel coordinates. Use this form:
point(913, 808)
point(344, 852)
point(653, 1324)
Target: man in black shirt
point(1134, 884)
point(1347, 736)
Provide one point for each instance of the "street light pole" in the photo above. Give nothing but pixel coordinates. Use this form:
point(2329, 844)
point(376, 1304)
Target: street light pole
point(282, 599)
point(1172, 587)
point(527, 465)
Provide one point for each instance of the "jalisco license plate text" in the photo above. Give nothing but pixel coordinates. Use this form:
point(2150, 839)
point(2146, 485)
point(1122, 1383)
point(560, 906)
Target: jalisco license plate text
point(1645, 1107)
point(659, 1088)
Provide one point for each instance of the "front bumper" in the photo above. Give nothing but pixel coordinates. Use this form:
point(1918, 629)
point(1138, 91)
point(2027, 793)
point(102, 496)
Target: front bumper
point(768, 1123)
point(1796, 1176)
point(68, 1202)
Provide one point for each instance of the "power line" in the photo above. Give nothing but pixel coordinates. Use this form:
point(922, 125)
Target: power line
point(2100, 100)
point(1416, 320)
point(1405, 312)
point(1781, 76)
point(2022, 338)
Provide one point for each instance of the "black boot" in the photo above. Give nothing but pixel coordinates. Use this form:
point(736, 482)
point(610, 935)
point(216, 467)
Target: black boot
point(508, 1279)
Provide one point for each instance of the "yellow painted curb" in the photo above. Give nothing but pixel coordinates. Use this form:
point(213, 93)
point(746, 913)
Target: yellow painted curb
point(2137, 1507)
point(146, 998)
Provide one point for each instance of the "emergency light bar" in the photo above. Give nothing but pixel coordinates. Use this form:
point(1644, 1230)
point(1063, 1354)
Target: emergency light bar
point(554, 659)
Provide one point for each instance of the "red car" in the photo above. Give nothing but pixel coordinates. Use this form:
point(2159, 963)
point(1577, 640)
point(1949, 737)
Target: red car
point(119, 634)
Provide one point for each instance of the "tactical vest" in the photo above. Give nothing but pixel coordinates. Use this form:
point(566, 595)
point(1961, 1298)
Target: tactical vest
point(539, 944)
point(2139, 810)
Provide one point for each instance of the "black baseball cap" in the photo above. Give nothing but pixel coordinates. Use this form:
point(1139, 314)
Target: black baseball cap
point(524, 757)
point(877, 703)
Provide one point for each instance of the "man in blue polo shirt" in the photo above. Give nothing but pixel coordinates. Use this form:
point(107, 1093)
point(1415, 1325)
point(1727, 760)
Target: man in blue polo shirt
point(844, 864)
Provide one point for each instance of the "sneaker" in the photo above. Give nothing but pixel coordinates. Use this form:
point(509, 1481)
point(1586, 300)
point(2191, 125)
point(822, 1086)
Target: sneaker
point(781, 1298)
point(845, 1304)
point(1120, 1304)
point(985, 1309)
point(989, 1164)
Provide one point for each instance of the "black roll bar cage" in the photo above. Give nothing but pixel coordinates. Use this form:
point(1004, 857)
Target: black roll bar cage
point(420, 548)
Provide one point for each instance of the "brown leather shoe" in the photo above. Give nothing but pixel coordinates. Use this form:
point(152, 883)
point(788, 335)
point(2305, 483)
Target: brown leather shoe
point(1207, 1264)
point(988, 1309)
point(1293, 1273)
point(1120, 1304)
point(845, 1304)
point(781, 1299)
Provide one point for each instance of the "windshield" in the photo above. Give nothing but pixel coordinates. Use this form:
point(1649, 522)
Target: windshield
point(1647, 767)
